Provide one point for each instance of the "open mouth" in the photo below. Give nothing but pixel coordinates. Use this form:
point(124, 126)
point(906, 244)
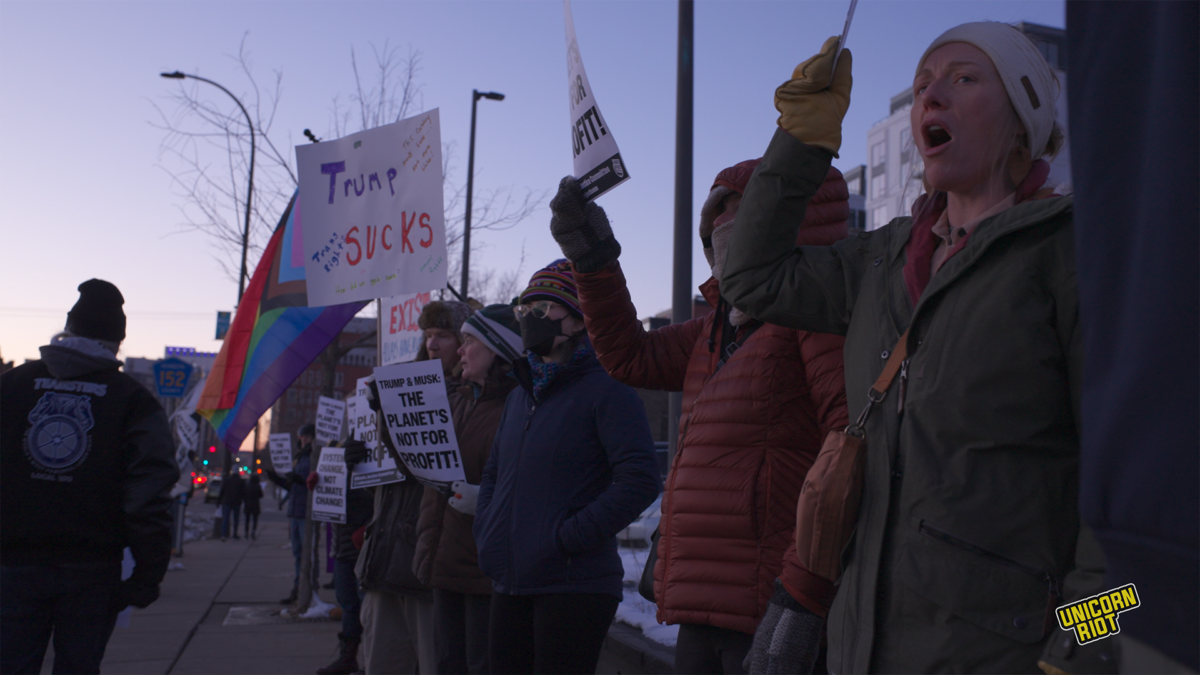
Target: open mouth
point(936, 135)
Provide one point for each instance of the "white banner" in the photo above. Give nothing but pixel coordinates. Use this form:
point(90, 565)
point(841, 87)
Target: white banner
point(281, 452)
point(371, 212)
point(598, 164)
point(401, 336)
point(329, 497)
point(380, 467)
point(331, 415)
point(413, 396)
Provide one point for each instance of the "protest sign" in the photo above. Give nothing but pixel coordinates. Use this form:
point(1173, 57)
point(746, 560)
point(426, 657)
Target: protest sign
point(371, 212)
point(281, 452)
point(413, 396)
point(380, 466)
point(598, 164)
point(401, 336)
point(331, 413)
point(329, 497)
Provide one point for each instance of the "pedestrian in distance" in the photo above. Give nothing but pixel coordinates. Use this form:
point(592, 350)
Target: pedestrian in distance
point(294, 482)
point(86, 469)
point(962, 322)
point(758, 401)
point(572, 465)
point(397, 609)
point(253, 502)
point(446, 557)
point(232, 496)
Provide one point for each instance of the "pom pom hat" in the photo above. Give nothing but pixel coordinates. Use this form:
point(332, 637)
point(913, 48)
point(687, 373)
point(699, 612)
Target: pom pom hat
point(554, 282)
point(496, 326)
point(1031, 85)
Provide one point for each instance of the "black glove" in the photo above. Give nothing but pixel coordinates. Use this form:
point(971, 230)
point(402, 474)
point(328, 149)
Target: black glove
point(581, 228)
point(787, 640)
point(356, 453)
point(130, 592)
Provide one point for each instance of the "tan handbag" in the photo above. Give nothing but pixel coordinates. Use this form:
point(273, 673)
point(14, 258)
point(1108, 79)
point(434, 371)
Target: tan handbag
point(828, 506)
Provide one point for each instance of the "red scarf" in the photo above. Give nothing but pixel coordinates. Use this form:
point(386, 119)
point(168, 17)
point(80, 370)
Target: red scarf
point(928, 209)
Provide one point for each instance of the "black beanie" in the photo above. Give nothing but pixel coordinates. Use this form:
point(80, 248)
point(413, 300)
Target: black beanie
point(98, 314)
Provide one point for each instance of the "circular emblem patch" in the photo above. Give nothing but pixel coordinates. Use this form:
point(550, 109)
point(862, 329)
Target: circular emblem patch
point(57, 442)
point(58, 437)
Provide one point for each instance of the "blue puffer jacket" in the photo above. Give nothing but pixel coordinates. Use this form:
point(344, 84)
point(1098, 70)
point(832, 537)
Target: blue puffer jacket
point(566, 473)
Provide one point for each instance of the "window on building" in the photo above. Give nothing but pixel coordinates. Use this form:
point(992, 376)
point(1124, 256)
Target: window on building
point(854, 185)
point(878, 154)
point(879, 185)
point(291, 396)
point(341, 377)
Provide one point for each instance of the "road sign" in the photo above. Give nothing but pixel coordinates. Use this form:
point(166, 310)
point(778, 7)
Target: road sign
point(171, 377)
point(222, 324)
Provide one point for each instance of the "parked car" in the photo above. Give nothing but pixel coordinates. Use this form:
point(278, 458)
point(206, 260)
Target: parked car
point(640, 531)
point(213, 494)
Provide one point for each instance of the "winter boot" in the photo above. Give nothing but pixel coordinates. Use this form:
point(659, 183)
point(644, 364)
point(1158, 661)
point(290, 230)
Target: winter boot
point(347, 660)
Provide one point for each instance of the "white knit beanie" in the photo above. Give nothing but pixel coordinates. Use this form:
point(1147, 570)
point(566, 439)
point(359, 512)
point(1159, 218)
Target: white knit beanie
point(1031, 85)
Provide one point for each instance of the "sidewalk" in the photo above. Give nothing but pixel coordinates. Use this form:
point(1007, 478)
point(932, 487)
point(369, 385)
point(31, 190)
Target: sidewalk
point(188, 629)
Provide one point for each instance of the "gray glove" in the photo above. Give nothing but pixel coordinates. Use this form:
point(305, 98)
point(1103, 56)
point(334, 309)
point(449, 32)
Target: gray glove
point(581, 228)
point(787, 640)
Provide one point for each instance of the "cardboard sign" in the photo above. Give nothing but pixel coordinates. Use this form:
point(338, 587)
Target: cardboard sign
point(598, 164)
point(371, 212)
point(281, 452)
point(380, 466)
point(329, 497)
point(413, 396)
point(400, 337)
point(331, 414)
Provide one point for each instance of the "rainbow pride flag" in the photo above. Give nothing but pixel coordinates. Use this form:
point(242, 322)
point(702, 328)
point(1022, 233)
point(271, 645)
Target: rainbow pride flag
point(275, 335)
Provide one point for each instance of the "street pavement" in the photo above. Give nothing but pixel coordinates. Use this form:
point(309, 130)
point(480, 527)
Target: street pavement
point(187, 630)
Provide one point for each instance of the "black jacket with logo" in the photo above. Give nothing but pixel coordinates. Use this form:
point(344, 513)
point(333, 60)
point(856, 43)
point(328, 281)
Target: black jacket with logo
point(86, 465)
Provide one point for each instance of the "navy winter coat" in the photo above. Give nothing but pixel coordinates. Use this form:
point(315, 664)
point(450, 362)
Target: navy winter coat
point(565, 475)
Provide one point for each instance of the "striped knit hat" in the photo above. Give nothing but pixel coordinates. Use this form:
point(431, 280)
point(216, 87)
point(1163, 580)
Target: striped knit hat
point(554, 282)
point(497, 327)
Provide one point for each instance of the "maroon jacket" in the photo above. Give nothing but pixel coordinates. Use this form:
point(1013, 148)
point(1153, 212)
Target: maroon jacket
point(747, 436)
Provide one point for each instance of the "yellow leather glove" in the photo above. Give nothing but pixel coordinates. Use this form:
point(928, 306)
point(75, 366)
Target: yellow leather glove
point(811, 108)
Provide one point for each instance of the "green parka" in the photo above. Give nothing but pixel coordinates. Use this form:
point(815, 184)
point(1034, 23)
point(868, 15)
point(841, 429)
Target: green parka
point(966, 538)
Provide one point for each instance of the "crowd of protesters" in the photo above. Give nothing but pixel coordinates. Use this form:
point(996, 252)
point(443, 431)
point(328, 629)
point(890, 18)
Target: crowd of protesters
point(879, 452)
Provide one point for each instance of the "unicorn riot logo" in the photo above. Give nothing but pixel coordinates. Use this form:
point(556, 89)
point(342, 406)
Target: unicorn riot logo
point(58, 438)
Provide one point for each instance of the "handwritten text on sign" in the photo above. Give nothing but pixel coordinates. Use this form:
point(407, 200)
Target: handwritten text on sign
point(598, 164)
point(372, 214)
point(400, 339)
point(417, 411)
point(329, 497)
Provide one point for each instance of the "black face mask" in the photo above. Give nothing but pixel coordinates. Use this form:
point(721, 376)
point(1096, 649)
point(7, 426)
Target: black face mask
point(538, 333)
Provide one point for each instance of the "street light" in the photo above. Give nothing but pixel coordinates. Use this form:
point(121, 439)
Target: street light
point(466, 263)
point(250, 187)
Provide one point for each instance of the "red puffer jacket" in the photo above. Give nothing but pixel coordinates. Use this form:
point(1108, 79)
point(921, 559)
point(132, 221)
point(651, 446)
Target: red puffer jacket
point(748, 434)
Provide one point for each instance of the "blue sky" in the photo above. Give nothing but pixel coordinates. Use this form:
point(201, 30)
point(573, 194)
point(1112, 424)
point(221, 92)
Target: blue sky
point(84, 190)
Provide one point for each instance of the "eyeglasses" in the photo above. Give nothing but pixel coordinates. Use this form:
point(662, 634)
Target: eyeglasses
point(540, 309)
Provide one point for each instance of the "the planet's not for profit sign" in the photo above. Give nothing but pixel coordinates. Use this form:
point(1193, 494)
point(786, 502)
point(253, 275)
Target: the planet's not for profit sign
point(281, 452)
point(331, 416)
point(380, 467)
point(598, 164)
point(417, 412)
point(371, 212)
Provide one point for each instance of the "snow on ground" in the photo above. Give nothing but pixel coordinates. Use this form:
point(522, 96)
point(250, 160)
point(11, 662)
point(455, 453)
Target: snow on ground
point(635, 610)
point(197, 526)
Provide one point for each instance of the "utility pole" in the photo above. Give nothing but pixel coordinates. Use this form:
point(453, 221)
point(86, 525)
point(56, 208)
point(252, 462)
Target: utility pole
point(681, 282)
